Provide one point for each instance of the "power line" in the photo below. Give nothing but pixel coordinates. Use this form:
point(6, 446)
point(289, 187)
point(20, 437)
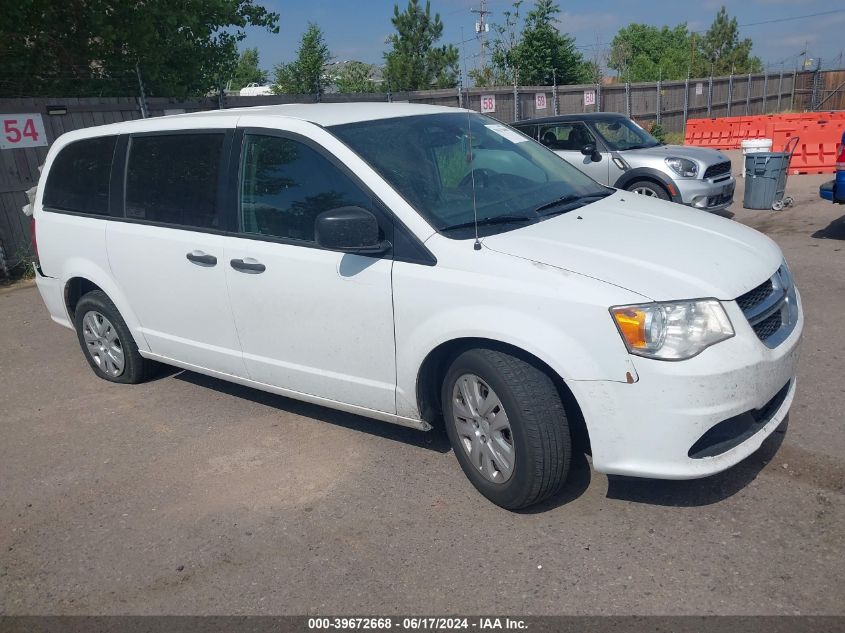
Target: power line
point(481, 26)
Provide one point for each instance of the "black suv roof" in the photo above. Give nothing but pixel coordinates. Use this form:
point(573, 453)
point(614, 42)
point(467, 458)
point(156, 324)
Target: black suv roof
point(584, 116)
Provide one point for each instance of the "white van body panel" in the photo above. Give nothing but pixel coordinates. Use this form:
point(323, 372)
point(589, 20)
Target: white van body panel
point(353, 332)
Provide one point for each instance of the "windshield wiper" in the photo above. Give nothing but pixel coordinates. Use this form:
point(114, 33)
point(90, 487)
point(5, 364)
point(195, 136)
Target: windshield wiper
point(498, 219)
point(568, 203)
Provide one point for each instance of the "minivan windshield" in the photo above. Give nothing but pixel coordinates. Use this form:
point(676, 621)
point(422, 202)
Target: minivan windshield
point(622, 134)
point(437, 161)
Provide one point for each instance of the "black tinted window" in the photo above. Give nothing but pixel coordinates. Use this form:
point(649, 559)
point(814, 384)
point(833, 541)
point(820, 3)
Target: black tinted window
point(79, 177)
point(286, 185)
point(173, 179)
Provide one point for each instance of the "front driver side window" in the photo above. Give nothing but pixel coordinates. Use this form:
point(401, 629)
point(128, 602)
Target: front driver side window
point(285, 185)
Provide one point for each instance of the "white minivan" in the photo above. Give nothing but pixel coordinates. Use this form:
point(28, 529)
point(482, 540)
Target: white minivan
point(422, 265)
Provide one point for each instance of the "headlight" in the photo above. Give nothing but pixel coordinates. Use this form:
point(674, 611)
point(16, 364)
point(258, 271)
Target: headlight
point(673, 330)
point(682, 166)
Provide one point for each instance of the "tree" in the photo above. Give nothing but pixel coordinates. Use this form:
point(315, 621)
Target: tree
point(723, 51)
point(304, 75)
point(355, 77)
point(414, 62)
point(92, 47)
point(540, 51)
point(247, 71)
point(641, 52)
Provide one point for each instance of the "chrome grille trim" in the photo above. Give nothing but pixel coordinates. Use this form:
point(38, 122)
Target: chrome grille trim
point(771, 308)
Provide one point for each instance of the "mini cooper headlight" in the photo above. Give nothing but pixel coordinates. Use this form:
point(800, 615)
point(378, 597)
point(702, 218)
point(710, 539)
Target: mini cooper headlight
point(682, 166)
point(674, 330)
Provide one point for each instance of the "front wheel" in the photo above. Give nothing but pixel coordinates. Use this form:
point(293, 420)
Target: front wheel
point(650, 189)
point(507, 427)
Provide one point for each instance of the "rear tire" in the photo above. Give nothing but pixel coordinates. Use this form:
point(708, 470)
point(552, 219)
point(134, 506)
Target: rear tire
point(106, 342)
point(650, 189)
point(527, 462)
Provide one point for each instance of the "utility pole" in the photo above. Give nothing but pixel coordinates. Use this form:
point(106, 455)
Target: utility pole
point(482, 27)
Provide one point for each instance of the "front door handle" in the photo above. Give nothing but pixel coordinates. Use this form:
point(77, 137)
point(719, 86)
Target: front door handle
point(248, 265)
point(201, 259)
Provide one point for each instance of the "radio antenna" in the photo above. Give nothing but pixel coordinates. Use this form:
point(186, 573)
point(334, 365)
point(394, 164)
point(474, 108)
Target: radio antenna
point(477, 244)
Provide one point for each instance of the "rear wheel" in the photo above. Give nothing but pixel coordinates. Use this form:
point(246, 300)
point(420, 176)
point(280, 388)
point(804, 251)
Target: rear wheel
point(507, 426)
point(106, 342)
point(650, 189)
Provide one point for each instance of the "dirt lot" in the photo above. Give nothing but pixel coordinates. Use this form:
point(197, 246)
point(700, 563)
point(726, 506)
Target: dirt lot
point(190, 495)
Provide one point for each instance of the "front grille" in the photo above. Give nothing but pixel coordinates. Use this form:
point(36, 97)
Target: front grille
point(718, 169)
point(771, 308)
point(765, 328)
point(756, 296)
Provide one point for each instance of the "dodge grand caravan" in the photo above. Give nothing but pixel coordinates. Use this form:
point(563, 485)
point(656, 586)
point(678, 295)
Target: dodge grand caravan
point(422, 265)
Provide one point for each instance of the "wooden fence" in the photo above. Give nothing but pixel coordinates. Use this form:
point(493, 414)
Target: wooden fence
point(669, 103)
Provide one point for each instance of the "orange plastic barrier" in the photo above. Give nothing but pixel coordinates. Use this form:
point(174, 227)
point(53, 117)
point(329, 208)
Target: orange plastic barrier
point(819, 134)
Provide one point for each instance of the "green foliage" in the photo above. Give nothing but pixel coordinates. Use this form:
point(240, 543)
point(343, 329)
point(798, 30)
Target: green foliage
point(724, 52)
point(247, 71)
point(414, 62)
point(355, 77)
point(91, 47)
point(641, 52)
point(304, 75)
point(539, 51)
point(658, 132)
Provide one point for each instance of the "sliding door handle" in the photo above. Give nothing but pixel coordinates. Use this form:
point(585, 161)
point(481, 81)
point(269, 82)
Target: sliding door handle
point(201, 259)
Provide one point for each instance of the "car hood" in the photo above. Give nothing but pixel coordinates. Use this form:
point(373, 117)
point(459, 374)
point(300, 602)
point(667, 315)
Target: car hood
point(658, 249)
point(703, 155)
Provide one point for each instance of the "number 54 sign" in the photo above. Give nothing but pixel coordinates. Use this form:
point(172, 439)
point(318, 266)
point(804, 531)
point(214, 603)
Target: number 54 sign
point(21, 130)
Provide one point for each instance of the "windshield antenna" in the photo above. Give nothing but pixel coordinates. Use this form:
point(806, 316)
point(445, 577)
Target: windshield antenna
point(477, 244)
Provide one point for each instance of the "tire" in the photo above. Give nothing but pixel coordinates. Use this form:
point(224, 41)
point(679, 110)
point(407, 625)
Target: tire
point(538, 432)
point(649, 188)
point(102, 333)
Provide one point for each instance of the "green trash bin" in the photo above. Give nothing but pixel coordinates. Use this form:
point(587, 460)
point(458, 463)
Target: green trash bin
point(765, 179)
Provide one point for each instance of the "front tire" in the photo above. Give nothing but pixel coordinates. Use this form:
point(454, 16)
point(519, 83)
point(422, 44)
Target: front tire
point(507, 427)
point(649, 189)
point(106, 342)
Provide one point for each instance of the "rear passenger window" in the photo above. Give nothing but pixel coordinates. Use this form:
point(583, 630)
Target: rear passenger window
point(79, 177)
point(287, 184)
point(173, 179)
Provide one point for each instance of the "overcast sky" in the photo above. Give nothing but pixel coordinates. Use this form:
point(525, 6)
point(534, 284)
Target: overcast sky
point(356, 29)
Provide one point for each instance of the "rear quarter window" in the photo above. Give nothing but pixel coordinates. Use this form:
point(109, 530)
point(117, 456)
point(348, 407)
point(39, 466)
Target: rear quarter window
point(79, 177)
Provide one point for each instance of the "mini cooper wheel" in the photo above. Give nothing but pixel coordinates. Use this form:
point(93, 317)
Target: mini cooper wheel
point(649, 189)
point(106, 342)
point(507, 427)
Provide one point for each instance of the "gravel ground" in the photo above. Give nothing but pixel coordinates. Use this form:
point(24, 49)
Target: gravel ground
point(189, 495)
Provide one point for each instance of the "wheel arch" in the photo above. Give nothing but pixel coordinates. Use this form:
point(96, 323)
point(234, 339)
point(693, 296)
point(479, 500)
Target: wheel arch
point(436, 363)
point(652, 175)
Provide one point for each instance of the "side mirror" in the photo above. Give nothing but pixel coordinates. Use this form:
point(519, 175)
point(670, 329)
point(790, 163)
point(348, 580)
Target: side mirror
point(590, 150)
point(351, 230)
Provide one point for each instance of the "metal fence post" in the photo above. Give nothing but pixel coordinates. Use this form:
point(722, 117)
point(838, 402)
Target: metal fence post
point(748, 95)
point(792, 94)
point(780, 87)
point(686, 104)
point(817, 80)
point(598, 97)
point(659, 101)
point(516, 95)
point(460, 95)
point(710, 97)
point(628, 99)
point(730, 93)
point(554, 91)
point(765, 90)
point(142, 98)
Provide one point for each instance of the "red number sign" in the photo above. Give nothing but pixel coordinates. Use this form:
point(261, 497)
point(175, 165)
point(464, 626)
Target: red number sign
point(21, 130)
point(488, 103)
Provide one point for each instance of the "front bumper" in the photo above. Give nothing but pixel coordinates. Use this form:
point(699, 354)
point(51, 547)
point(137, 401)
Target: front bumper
point(712, 194)
point(650, 428)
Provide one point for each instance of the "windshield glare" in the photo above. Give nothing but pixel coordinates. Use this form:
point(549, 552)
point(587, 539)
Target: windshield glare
point(430, 160)
point(621, 134)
